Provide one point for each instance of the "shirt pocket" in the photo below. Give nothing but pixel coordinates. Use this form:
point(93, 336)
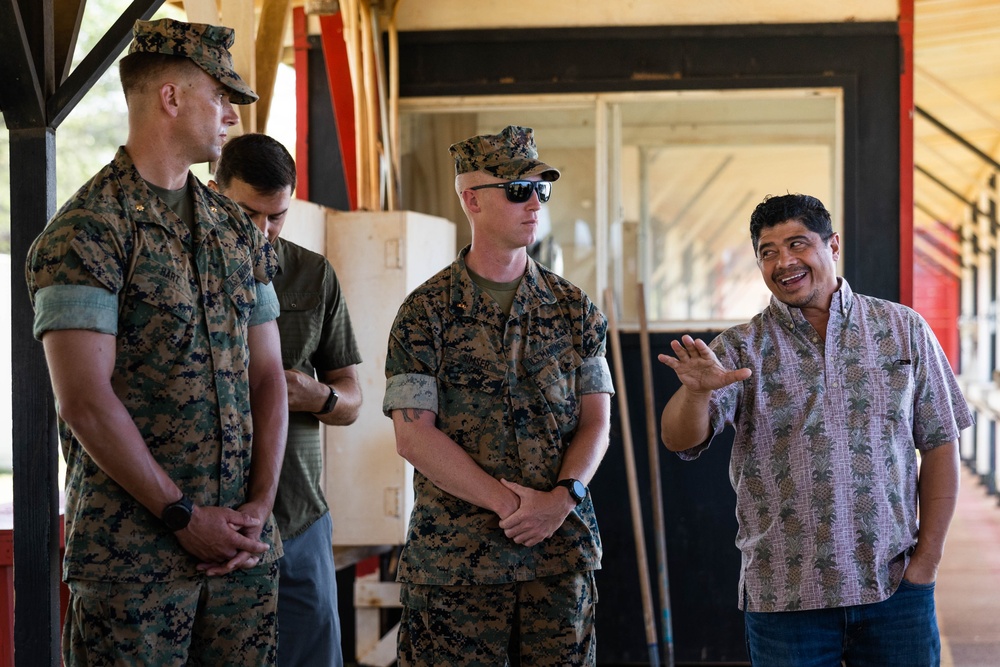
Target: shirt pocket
point(882, 388)
point(897, 377)
point(470, 397)
point(555, 370)
point(155, 321)
point(301, 324)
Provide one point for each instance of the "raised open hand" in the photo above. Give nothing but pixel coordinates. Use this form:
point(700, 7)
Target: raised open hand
point(698, 368)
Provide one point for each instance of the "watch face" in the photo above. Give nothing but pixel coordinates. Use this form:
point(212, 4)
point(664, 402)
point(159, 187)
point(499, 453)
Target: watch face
point(576, 489)
point(177, 515)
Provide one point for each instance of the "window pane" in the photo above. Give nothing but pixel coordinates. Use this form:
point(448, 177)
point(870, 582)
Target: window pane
point(692, 169)
point(565, 137)
point(680, 174)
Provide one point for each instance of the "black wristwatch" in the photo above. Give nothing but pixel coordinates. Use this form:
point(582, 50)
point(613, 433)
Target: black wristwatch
point(331, 403)
point(177, 515)
point(576, 489)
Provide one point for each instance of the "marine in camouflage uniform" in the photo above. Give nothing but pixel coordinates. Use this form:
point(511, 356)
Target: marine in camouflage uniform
point(181, 293)
point(483, 388)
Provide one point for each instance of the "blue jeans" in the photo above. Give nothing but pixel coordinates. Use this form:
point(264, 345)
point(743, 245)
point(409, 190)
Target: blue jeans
point(901, 630)
point(308, 622)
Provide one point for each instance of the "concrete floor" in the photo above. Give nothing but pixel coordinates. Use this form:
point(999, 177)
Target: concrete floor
point(968, 586)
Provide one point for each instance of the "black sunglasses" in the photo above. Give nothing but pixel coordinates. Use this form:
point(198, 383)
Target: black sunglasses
point(520, 191)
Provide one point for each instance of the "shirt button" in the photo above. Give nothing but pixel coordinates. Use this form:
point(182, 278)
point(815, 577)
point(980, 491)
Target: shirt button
point(815, 340)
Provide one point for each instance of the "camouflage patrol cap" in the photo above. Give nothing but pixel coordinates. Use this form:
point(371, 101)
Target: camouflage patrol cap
point(206, 45)
point(509, 155)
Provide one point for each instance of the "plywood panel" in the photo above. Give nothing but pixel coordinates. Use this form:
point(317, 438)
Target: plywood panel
point(380, 257)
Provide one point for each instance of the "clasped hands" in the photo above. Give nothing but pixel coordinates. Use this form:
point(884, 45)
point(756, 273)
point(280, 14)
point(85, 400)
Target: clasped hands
point(224, 539)
point(537, 517)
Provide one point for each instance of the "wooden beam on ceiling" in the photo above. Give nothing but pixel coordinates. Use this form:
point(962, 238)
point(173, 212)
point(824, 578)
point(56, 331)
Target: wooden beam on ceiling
point(239, 15)
point(957, 136)
point(948, 188)
point(928, 212)
point(270, 44)
point(200, 11)
point(21, 99)
point(940, 157)
point(932, 253)
point(66, 28)
point(37, 17)
point(943, 234)
point(925, 75)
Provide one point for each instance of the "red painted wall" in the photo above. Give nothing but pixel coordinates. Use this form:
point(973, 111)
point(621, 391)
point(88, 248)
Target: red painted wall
point(936, 296)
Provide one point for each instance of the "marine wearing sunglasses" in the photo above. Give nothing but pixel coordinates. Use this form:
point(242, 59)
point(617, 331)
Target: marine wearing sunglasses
point(519, 192)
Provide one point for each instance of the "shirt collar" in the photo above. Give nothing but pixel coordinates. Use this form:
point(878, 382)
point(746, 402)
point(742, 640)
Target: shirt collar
point(842, 301)
point(145, 206)
point(468, 299)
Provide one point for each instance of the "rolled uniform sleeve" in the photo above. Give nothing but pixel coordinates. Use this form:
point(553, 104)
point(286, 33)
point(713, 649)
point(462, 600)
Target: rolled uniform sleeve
point(595, 376)
point(75, 307)
point(266, 307)
point(412, 362)
point(74, 272)
point(410, 390)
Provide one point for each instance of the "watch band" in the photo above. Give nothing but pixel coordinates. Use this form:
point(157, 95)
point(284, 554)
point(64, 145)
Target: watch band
point(331, 402)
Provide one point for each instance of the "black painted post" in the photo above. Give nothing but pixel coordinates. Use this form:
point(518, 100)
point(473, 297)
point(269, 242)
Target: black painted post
point(35, 442)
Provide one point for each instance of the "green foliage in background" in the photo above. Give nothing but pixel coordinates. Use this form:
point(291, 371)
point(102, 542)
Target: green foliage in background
point(88, 138)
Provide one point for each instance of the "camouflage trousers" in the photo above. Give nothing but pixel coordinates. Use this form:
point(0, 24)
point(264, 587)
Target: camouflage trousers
point(552, 619)
point(210, 621)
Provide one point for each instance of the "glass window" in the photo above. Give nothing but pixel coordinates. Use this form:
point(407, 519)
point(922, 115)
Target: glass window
point(565, 136)
point(656, 188)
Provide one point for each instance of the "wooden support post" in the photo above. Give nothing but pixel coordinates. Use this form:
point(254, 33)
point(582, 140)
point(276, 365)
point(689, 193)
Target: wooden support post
point(36, 447)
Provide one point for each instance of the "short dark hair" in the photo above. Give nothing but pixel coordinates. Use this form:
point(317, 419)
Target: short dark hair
point(137, 69)
point(258, 160)
point(775, 210)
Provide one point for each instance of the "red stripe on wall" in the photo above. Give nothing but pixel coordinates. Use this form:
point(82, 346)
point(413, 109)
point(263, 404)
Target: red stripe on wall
point(937, 297)
point(906, 257)
point(338, 72)
point(301, 41)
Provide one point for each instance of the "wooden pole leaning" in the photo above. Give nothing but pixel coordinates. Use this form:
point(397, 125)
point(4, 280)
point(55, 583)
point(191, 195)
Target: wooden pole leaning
point(656, 487)
point(630, 473)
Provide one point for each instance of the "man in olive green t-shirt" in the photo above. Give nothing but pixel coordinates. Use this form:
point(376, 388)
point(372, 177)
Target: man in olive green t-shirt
point(320, 355)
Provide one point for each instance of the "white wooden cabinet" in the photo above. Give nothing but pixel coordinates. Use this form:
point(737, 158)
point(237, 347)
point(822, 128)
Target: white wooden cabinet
point(379, 257)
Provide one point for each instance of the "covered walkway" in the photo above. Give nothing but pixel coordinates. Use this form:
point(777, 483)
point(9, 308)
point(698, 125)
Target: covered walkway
point(968, 588)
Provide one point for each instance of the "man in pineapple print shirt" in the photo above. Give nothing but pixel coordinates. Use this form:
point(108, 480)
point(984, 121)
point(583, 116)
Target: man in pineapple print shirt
point(832, 395)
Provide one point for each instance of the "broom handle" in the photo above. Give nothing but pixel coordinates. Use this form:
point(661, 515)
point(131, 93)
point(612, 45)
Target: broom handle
point(656, 487)
point(633, 488)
